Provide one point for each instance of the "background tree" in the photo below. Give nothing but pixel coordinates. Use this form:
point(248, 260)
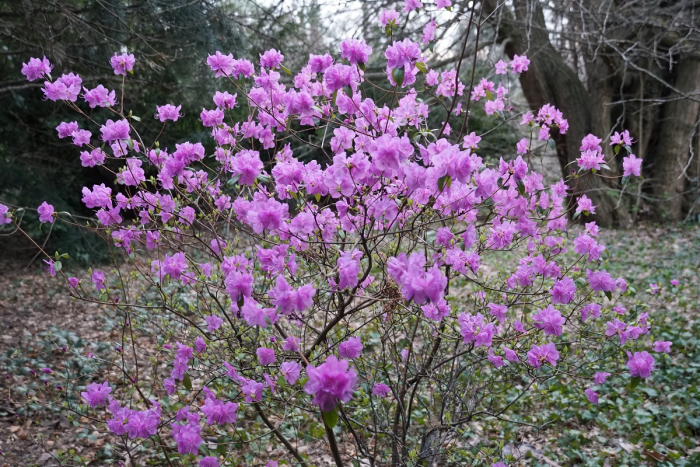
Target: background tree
point(615, 65)
point(169, 37)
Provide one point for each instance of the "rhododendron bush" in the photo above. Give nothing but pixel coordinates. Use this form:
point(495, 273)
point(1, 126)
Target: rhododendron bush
point(353, 292)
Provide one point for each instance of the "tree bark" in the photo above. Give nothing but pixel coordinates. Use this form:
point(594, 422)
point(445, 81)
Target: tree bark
point(672, 151)
point(550, 80)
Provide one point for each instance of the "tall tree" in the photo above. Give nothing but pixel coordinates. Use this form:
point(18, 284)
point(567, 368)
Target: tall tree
point(610, 65)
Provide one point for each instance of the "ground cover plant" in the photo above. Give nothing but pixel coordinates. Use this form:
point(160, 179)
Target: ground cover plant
point(386, 301)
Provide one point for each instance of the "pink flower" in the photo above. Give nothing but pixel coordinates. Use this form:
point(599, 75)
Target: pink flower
point(402, 53)
point(168, 112)
point(331, 382)
point(498, 311)
point(585, 205)
point(115, 131)
point(355, 51)
point(36, 68)
point(4, 217)
point(540, 354)
point(50, 267)
point(436, 311)
point(247, 165)
point(319, 63)
point(209, 461)
point(591, 160)
point(600, 281)
point(92, 158)
point(96, 394)
point(348, 268)
point(271, 59)
point(511, 355)
point(443, 4)
point(187, 437)
point(388, 17)
point(519, 63)
point(291, 344)
point(221, 64)
point(46, 213)
point(410, 5)
point(132, 174)
point(252, 390)
point(288, 300)
point(662, 346)
point(591, 395)
point(337, 76)
point(351, 348)
point(501, 67)
point(224, 100)
point(641, 364)
point(475, 329)
point(632, 165)
point(174, 265)
point(621, 138)
point(550, 320)
point(600, 377)
point(592, 309)
point(290, 371)
point(98, 278)
point(67, 87)
point(213, 322)
point(675, 282)
point(123, 63)
point(381, 390)
point(143, 424)
point(496, 360)
point(199, 345)
point(563, 291)
point(219, 412)
point(266, 356)
point(66, 129)
point(99, 97)
point(212, 118)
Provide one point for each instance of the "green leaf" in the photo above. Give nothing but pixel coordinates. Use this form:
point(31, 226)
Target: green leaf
point(608, 294)
point(635, 382)
point(130, 144)
point(318, 197)
point(617, 149)
point(552, 144)
point(387, 30)
point(330, 418)
point(444, 181)
point(421, 66)
point(286, 70)
point(57, 266)
point(605, 166)
point(398, 75)
point(187, 382)
point(138, 119)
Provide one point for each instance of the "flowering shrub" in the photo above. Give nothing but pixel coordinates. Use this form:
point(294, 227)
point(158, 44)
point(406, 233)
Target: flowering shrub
point(355, 288)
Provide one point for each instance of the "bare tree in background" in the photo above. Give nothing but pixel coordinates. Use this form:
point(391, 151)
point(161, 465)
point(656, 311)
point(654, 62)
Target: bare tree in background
point(608, 65)
point(613, 65)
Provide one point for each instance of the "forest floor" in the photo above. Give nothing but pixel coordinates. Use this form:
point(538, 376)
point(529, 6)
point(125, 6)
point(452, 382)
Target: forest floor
point(656, 425)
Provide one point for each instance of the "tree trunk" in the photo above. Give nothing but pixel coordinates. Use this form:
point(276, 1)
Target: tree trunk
point(672, 152)
point(550, 80)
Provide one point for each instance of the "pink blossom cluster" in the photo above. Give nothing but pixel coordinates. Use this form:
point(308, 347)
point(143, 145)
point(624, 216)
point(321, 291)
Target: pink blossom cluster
point(252, 245)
